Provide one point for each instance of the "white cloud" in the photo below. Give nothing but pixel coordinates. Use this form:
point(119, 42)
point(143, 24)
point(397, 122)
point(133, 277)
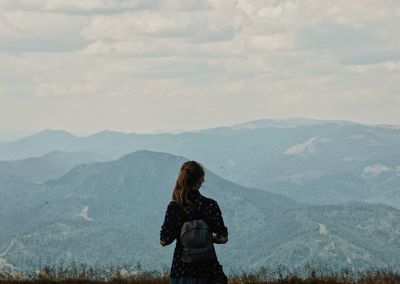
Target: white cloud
point(81, 7)
point(376, 169)
point(277, 41)
point(241, 59)
point(27, 24)
point(196, 26)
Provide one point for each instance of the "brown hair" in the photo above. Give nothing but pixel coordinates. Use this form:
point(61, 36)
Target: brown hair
point(188, 178)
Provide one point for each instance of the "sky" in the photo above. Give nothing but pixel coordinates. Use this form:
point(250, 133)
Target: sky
point(152, 65)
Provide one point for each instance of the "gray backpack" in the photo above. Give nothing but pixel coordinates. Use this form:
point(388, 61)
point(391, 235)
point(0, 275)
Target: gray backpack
point(196, 240)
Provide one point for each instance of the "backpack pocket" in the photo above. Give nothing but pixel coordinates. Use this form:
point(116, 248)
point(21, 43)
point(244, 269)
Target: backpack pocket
point(196, 240)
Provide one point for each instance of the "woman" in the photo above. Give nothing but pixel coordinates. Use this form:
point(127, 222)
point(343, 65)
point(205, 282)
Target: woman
point(186, 203)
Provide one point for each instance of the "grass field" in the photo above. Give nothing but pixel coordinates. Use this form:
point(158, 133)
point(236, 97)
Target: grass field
point(83, 274)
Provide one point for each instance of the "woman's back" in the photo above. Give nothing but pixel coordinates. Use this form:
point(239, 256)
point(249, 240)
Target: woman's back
point(188, 204)
point(202, 208)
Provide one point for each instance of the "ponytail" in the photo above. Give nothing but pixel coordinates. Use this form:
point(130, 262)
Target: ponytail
point(188, 178)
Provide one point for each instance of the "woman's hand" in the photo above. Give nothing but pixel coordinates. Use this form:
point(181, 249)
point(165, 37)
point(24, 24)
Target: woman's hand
point(220, 239)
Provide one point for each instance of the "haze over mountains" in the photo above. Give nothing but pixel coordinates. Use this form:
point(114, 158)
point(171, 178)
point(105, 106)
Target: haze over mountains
point(7, 135)
point(100, 199)
point(49, 166)
point(111, 212)
point(312, 161)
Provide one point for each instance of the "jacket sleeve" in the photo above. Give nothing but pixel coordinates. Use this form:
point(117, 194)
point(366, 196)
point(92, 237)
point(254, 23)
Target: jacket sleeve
point(217, 222)
point(169, 227)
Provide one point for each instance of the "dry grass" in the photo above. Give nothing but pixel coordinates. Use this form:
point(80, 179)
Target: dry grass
point(81, 273)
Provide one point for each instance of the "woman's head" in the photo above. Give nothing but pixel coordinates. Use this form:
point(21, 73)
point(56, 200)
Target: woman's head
point(190, 178)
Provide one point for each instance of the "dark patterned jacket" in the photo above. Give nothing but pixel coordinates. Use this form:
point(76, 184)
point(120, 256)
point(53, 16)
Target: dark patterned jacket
point(202, 208)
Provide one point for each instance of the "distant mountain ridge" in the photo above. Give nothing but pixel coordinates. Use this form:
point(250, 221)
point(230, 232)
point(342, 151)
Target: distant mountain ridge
point(49, 166)
point(111, 213)
point(314, 161)
point(7, 135)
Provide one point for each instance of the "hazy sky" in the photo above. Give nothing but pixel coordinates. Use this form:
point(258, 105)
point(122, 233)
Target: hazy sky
point(145, 65)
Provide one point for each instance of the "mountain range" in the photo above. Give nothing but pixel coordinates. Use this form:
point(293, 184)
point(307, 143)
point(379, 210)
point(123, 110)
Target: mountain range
point(110, 213)
point(49, 166)
point(312, 161)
